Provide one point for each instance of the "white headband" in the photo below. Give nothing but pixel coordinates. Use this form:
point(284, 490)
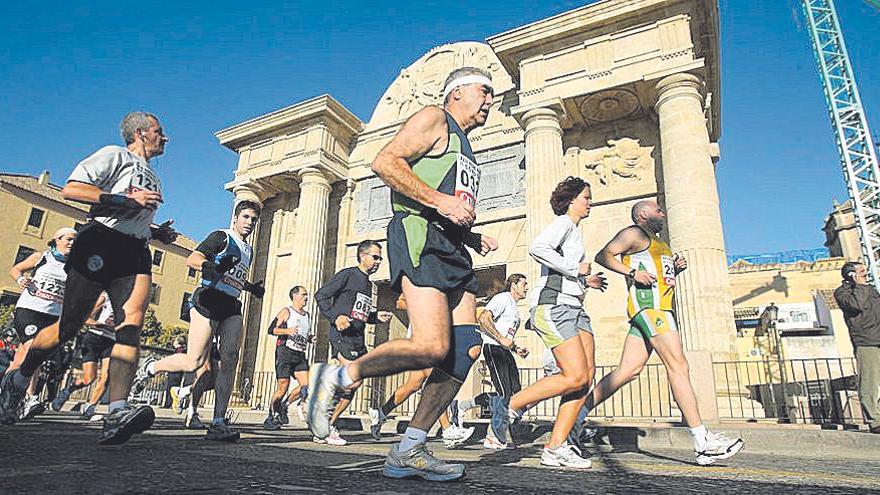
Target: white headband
point(469, 79)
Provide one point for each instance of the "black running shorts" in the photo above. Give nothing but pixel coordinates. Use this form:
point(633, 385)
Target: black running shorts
point(28, 322)
point(214, 304)
point(288, 362)
point(96, 347)
point(502, 369)
point(429, 254)
point(102, 254)
point(349, 349)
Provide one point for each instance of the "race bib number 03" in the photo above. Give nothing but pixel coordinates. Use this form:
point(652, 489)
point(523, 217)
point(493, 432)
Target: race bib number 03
point(362, 308)
point(668, 270)
point(467, 180)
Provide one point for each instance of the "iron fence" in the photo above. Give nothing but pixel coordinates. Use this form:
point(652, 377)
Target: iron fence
point(818, 391)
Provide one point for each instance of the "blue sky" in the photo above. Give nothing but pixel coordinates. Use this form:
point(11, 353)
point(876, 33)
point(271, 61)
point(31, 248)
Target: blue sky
point(70, 70)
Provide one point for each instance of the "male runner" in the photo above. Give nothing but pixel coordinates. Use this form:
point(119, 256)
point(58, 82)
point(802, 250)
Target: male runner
point(39, 304)
point(224, 259)
point(499, 322)
point(453, 434)
point(292, 327)
point(110, 255)
point(347, 301)
point(429, 166)
point(96, 345)
point(650, 269)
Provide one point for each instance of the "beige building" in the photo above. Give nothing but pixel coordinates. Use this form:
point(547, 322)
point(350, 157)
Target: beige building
point(33, 209)
point(624, 93)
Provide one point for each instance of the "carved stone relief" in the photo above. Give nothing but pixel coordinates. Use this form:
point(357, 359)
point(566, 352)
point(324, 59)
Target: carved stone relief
point(609, 105)
point(622, 161)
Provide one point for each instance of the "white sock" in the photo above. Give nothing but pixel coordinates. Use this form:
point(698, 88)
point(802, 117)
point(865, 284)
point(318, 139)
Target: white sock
point(117, 405)
point(192, 409)
point(699, 435)
point(345, 381)
point(411, 438)
point(184, 391)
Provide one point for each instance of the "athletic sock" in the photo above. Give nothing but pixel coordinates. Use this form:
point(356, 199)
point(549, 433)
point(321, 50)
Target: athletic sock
point(20, 380)
point(117, 405)
point(467, 404)
point(344, 381)
point(388, 406)
point(411, 438)
point(217, 421)
point(699, 435)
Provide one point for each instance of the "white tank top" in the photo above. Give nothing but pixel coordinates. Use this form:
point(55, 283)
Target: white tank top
point(46, 290)
point(300, 340)
point(105, 317)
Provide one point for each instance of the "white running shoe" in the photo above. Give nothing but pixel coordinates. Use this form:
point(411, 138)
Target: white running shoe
point(319, 440)
point(322, 399)
point(455, 436)
point(335, 438)
point(565, 456)
point(374, 416)
point(493, 443)
point(300, 411)
point(717, 447)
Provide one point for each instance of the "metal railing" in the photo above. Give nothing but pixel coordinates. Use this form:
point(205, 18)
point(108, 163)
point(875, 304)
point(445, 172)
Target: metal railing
point(818, 391)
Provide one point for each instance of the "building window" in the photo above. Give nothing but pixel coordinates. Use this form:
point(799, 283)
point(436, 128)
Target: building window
point(157, 258)
point(191, 273)
point(22, 254)
point(154, 293)
point(36, 218)
point(184, 303)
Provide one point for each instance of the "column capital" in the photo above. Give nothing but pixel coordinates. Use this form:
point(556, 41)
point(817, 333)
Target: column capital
point(249, 191)
point(676, 85)
point(541, 119)
point(313, 176)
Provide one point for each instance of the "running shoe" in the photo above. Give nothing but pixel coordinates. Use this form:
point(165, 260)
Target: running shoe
point(717, 447)
point(61, 399)
point(120, 425)
point(32, 408)
point(221, 432)
point(141, 378)
point(301, 411)
point(88, 413)
point(565, 456)
point(192, 421)
point(376, 420)
point(175, 399)
point(319, 440)
point(282, 415)
point(581, 434)
point(419, 461)
point(10, 398)
point(492, 443)
point(500, 417)
point(335, 438)
point(455, 436)
point(322, 400)
point(271, 422)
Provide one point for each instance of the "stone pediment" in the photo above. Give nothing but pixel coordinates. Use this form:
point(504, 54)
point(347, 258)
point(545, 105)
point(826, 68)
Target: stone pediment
point(421, 83)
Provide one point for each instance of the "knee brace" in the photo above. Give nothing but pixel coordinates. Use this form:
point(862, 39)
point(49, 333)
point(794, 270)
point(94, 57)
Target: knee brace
point(458, 361)
point(128, 335)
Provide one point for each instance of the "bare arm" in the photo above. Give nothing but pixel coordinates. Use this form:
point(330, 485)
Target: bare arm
point(92, 320)
point(628, 240)
point(27, 264)
point(422, 133)
point(195, 260)
point(487, 326)
point(88, 193)
point(281, 319)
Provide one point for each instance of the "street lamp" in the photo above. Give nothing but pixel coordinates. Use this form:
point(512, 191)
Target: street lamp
point(773, 315)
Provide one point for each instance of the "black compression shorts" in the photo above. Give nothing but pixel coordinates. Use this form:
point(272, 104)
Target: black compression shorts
point(96, 347)
point(102, 254)
point(214, 304)
point(28, 322)
point(288, 362)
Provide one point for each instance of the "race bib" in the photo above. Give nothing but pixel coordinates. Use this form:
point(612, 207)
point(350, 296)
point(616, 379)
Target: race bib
point(236, 277)
point(142, 179)
point(362, 308)
point(48, 288)
point(668, 270)
point(467, 180)
point(297, 342)
point(511, 332)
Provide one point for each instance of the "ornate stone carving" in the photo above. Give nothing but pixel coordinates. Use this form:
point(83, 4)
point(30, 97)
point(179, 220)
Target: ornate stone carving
point(606, 106)
point(624, 160)
point(421, 83)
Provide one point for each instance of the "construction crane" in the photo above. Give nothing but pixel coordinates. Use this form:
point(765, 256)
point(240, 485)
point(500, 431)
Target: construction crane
point(858, 153)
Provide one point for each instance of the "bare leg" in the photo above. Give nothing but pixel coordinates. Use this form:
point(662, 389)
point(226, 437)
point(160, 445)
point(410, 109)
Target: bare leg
point(198, 346)
point(574, 377)
point(302, 380)
point(280, 390)
point(230, 343)
point(135, 293)
point(668, 346)
point(636, 352)
point(101, 384)
point(573, 401)
point(344, 403)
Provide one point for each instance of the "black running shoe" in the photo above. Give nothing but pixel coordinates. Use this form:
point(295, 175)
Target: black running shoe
point(10, 398)
point(120, 425)
point(222, 433)
point(33, 409)
point(271, 423)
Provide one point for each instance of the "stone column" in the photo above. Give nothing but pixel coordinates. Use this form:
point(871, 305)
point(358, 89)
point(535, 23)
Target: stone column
point(309, 235)
point(544, 169)
point(703, 303)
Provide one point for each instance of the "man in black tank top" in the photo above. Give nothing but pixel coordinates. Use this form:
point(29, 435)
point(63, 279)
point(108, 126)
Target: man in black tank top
point(434, 182)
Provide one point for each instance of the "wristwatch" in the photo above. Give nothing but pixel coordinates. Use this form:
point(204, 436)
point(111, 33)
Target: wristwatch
point(632, 273)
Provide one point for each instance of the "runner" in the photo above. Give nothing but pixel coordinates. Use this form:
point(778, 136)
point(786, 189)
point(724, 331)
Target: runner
point(650, 269)
point(97, 343)
point(430, 169)
point(453, 434)
point(224, 259)
point(110, 255)
point(292, 327)
point(39, 304)
point(203, 381)
point(559, 319)
point(499, 322)
point(347, 301)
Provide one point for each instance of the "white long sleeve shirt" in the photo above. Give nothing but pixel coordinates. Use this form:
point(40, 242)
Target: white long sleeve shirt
point(559, 249)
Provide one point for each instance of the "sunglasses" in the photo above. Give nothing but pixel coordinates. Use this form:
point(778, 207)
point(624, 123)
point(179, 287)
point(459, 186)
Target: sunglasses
point(376, 257)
